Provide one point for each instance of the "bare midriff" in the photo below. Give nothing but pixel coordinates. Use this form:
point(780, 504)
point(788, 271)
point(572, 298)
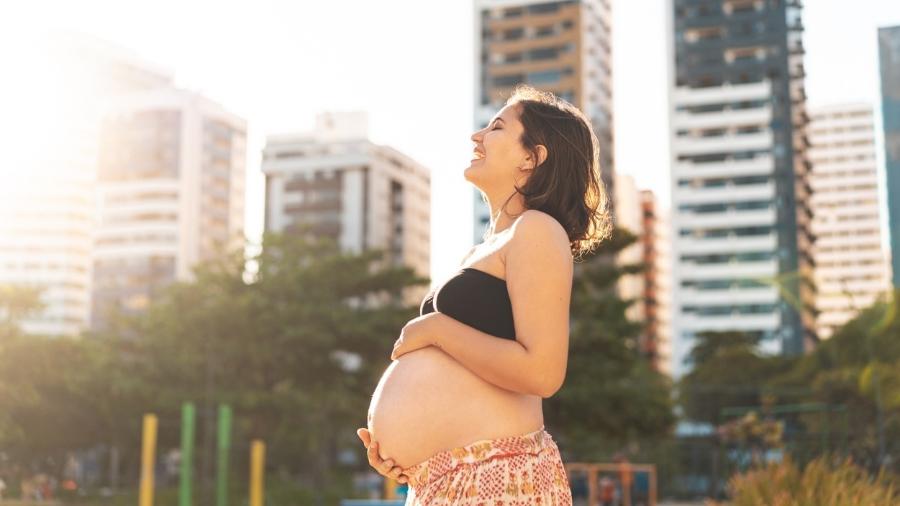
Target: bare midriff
point(427, 402)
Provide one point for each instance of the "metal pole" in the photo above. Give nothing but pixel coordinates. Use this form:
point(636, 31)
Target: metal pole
point(187, 453)
point(148, 459)
point(257, 472)
point(224, 446)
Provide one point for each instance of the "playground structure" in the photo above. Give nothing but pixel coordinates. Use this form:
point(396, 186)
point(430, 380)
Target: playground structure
point(597, 474)
point(624, 472)
point(148, 458)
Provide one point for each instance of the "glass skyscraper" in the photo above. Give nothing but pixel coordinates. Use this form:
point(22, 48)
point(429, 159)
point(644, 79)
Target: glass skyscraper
point(889, 57)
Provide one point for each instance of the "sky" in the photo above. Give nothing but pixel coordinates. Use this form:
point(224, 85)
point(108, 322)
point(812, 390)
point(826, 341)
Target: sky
point(409, 63)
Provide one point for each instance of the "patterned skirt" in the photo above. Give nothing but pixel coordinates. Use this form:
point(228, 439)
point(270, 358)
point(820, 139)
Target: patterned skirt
point(524, 470)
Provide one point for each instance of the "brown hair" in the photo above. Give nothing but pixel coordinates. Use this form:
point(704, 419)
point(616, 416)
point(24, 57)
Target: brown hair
point(567, 184)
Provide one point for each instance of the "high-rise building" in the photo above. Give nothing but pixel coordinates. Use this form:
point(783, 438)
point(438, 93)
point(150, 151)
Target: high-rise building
point(740, 194)
point(638, 212)
point(364, 195)
point(851, 268)
point(629, 215)
point(47, 211)
point(561, 46)
point(171, 194)
point(655, 243)
point(889, 58)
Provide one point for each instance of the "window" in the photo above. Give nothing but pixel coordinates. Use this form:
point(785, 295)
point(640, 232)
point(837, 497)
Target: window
point(544, 53)
point(545, 31)
point(513, 12)
point(513, 33)
point(545, 77)
point(543, 8)
point(510, 80)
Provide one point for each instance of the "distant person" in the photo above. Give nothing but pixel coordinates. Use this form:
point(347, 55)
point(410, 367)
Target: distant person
point(459, 411)
point(607, 491)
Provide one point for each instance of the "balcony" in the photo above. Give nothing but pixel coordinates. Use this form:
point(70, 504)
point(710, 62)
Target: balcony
point(750, 270)
point(723, 144)
point(722, 119)
point(727, 193)
point(690, 245)
point(731, 218)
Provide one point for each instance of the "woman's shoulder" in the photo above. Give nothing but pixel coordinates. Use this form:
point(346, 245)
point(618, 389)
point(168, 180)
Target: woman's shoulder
point(537, 228)
point(535, 222)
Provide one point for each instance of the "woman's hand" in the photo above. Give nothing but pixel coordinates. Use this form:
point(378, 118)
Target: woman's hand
point(384, 467)
point(420, 332)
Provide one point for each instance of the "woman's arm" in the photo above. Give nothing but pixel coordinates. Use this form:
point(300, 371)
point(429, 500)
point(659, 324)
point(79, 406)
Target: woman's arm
point(539, 279)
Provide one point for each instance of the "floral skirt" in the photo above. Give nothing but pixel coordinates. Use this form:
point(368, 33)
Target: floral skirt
point(524, 470)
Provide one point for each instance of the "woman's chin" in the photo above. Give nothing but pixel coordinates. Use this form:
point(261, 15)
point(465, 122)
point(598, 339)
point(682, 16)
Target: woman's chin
point(470, 175)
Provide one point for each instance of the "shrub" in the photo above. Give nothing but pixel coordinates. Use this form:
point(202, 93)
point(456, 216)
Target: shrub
point(820, 484)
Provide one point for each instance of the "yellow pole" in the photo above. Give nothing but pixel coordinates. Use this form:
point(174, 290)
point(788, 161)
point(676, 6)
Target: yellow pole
point(257, 470)
point(148, 459)
point(390, 488)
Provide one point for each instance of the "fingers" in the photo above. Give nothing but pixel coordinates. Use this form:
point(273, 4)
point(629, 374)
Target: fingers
point(385, 467)
point(364, 436)
point(372, 453)
point(397, 475)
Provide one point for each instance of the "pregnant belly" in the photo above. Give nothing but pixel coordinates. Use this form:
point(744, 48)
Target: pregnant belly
point(426, 402)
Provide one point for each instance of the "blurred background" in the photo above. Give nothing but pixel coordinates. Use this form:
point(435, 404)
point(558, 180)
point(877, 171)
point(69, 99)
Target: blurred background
point(216, 216)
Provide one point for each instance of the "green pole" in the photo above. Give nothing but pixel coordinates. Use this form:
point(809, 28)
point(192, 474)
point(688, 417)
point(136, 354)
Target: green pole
point(187, 453)
point(224, 445)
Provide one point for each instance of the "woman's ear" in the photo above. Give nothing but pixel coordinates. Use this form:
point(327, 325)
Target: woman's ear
point(541, 153)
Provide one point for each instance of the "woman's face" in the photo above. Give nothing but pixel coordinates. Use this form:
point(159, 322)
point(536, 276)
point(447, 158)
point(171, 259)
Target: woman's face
point(498, 154)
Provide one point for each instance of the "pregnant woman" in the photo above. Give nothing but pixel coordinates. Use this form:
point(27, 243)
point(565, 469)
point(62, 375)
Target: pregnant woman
point(457, 415)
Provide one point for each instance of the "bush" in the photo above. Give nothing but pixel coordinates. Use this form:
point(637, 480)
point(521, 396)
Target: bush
point(819, 484)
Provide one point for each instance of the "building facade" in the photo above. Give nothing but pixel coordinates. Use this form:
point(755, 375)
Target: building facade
point(740, 191)
point(363, 195)
point(170, 195)
point(889, 60)
point(560, 46)
point(655, 245)
point(47, 216)
point(629, 215)
point(851, 268)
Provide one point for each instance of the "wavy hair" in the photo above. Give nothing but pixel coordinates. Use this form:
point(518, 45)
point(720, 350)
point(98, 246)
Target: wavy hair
point(567, 185)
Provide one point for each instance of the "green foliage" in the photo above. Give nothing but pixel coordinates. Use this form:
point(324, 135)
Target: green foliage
point(611, 393)
point(818, 484)
point(858, 368)
point(856, 371)
point(277, 344)
point(273, 348)
point(16, 303)
point(727, 371)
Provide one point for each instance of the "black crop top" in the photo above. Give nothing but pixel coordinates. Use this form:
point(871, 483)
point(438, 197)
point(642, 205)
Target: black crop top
point(476, 298)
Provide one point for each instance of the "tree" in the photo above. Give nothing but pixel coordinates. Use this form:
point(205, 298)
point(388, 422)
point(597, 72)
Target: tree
point(295, 346)
point(610, 391)
point(16, 303)
point(727, 371)
point(857, 368)
point(280, 345)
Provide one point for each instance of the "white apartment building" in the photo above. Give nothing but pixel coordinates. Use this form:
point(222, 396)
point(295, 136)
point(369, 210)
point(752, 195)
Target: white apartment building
point(851, 267)
point(364, 195)
point(657, 248)
point(741, 218)
point(629, 215)
point(170, 195)
point(48, 188)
